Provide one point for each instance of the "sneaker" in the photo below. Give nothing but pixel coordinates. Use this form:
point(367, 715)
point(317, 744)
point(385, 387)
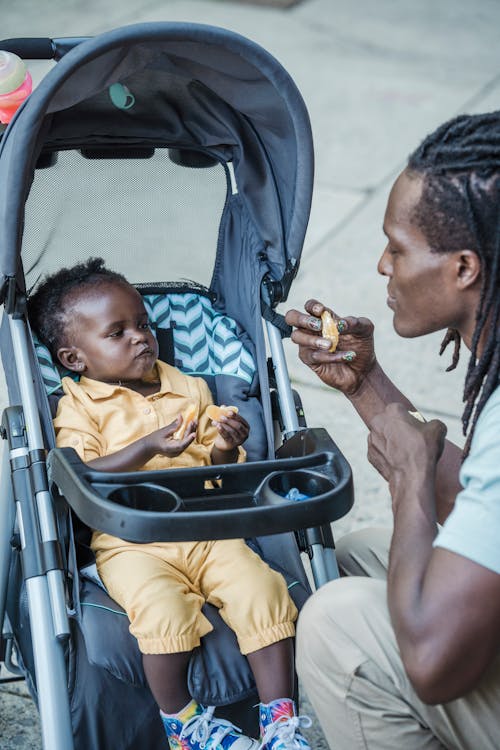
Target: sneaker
point(205, 732)
point(280, 725)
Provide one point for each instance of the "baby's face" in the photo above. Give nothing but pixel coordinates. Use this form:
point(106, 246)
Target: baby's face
point(110, 335)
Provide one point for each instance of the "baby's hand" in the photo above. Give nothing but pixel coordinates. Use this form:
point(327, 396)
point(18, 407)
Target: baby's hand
point(233, 431)
point(162, 441)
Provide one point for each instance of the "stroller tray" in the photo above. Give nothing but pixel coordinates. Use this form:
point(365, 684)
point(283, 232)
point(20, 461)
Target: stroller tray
point(308, 484)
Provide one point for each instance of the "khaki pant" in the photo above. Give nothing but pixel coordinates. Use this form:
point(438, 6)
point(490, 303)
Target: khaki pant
point(349, 663)
point(163, 587)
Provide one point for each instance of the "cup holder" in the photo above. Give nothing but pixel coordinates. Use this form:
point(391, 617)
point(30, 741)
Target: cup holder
point(147, 496)
point(293, 486)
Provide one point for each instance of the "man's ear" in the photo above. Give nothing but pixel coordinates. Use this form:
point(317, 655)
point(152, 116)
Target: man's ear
point(70, 358)
point(468, 268)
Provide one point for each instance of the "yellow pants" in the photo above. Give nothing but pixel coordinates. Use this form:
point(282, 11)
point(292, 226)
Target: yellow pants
point(163, 587)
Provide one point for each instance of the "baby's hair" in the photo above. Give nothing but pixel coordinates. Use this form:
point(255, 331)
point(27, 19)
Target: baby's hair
point(48, 311)
point(460, 208)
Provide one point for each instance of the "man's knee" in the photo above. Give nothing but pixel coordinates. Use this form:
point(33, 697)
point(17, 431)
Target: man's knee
point(337, 599)
point(337, 621)
point(327, 609)
point(364, 552)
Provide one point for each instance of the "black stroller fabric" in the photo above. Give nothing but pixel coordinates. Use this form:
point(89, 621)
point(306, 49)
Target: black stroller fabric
point(74, 167)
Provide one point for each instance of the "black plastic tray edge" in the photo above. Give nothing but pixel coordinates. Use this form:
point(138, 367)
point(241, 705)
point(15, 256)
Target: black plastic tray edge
point(75, 481)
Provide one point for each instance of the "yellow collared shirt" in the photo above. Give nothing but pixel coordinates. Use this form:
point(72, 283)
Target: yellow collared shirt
point(97, 418)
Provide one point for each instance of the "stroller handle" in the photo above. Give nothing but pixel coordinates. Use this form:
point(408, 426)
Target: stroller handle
point(40, 48)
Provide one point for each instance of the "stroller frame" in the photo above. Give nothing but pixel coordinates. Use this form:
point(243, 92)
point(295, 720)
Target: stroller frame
point(28, 501)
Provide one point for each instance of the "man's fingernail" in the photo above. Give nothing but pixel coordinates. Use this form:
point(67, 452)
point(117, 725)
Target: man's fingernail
point(324, 343)
point(341, 325)
point(349, 356)
point(316, 309)
point(315, 323)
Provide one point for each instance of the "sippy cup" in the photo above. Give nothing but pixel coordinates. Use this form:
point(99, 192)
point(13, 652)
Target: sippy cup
point(15, 85)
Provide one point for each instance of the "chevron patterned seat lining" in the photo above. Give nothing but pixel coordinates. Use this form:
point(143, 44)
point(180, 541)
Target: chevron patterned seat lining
point(205, 341)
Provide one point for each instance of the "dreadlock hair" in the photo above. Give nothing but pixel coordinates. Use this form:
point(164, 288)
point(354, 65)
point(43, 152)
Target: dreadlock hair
point(49, 307)
point(460, 208)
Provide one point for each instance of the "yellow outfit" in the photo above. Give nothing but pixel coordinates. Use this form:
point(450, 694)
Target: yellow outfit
point(162, 586)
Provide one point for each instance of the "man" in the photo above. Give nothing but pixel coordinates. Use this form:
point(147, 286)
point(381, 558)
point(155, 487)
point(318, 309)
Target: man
point(403, 653)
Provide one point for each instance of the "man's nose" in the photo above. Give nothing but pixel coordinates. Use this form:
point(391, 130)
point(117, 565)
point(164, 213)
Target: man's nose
point(384, 264)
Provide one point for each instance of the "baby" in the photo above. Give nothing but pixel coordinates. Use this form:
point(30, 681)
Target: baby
point(121, 415)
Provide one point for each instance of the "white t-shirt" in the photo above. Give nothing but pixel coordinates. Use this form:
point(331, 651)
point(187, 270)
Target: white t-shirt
point(473, 527)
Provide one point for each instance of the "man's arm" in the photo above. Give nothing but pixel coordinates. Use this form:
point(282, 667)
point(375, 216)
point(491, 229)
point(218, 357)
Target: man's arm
point(444, 607)
point(375, 392)
point(445, 610)
point(354, 370)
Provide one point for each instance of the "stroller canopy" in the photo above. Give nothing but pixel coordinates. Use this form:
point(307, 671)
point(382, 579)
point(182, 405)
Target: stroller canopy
point(194, 87)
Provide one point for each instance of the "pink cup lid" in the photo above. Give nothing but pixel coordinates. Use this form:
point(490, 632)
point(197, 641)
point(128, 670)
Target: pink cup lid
point(10, 102)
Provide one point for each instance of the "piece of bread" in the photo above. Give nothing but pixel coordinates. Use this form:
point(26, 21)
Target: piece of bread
point(188, 416)
point(329, 329)
point(417, 415)
point(216, 412)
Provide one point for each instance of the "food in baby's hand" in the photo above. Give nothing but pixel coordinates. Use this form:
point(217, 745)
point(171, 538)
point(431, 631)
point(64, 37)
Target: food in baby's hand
point(329, 329)
point(216, 412)
point(190, 414)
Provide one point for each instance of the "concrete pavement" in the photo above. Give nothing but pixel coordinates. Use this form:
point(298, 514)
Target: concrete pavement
point(376, 77)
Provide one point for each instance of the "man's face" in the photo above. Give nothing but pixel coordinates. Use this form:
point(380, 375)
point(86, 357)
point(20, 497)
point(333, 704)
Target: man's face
point(109, 337)
point(421, 285)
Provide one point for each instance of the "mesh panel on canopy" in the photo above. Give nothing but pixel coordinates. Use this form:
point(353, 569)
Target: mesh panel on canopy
point(151, 219)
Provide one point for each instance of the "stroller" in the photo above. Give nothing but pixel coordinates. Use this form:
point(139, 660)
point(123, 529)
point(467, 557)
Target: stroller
point(175, 151)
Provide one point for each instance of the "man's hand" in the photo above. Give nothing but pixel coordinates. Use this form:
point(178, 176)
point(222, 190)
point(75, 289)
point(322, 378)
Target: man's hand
point(402, 447)
point(344, 369)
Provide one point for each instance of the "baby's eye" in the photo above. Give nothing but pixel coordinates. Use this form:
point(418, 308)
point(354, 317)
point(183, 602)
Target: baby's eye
point(115, 334)
point(145, 325)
